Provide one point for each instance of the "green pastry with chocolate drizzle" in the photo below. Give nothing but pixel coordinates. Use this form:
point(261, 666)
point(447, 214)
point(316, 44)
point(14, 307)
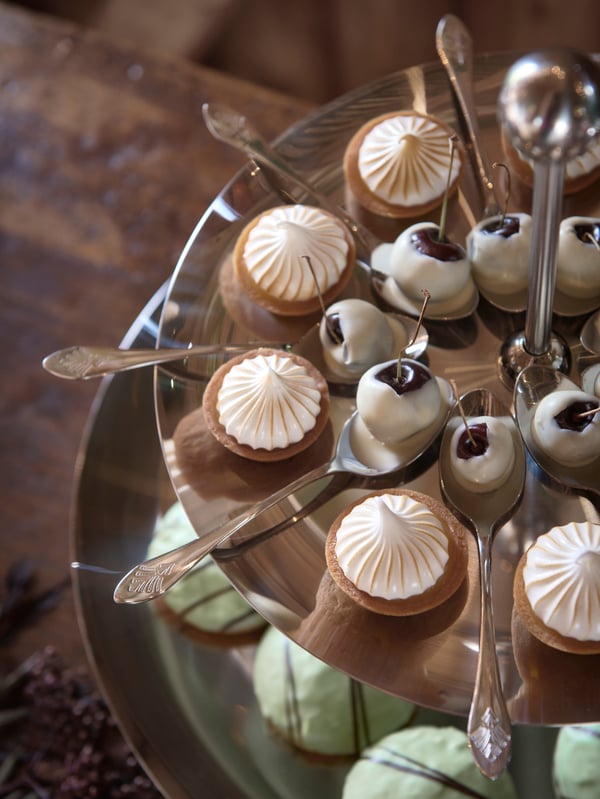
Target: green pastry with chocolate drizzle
point(203, 605)
point(317, 708)
point(423, 762)
point(576, 762)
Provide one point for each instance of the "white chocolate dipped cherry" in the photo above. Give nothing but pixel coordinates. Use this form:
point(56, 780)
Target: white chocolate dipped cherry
point(482, 453)
point(499, 249)
point(355, 335)
point(566, 427)
point(397, 399)
point(578, 257)
point(422, 257)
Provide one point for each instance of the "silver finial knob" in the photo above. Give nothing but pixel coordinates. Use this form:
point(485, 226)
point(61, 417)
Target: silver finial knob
point(549, 104)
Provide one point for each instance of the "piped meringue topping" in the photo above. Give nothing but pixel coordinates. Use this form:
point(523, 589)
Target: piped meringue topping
point(392, 546)
point(562, 580)
point(405, 159)
point(268, 402)
point(278, 246)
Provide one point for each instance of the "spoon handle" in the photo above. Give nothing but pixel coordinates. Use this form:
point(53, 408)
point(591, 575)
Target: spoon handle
point(235, 129)
point(153, 577)
point(82, 363)
point(488, 729)
point(455, 50)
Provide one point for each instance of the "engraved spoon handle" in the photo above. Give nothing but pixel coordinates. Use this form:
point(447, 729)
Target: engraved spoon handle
point(152, 578)
point(455, 50)
point(82, 363)
point(488, 729)
point(235, 129)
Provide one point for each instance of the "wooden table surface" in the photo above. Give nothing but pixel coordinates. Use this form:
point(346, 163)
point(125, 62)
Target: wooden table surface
point(105, 167)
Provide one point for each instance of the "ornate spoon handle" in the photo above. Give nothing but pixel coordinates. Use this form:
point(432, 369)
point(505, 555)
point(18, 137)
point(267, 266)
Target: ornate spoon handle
point(488, 728)
point(152, 578)
point(82, 363)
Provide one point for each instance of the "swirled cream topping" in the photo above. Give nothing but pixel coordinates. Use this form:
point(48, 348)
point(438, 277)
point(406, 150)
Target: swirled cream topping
point(268, 402)
point(392, 546)
point(562, 580)
point(279, 244)
point(405, 160)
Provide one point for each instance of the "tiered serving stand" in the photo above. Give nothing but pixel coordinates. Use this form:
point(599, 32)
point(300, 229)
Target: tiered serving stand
point(430, 659)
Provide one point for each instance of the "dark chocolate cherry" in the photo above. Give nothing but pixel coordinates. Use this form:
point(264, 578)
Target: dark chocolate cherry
point(412, 376)
point(426, 241)
point(570, 417)
point(333, 326)
point(467, 448)
point(506, 227)
point(589, 233)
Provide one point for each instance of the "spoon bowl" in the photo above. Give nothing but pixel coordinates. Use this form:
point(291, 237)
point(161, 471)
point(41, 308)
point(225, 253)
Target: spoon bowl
point(590, 334)
point(152, 578)
point(489, 727)
point(533, 384)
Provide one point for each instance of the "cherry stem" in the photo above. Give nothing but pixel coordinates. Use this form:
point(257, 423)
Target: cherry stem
point(462, 414)
point(584, 414)
point(442, 229)
point(329, 324)
point(495, 165)
point(426, 298)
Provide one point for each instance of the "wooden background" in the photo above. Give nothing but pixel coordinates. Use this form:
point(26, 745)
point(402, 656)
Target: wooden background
point(317, 49)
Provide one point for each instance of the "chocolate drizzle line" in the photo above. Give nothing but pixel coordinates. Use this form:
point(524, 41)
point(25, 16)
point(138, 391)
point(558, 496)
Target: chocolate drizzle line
point(593, 733)
point(410, 766)
point(360, 723)
point(207, 598)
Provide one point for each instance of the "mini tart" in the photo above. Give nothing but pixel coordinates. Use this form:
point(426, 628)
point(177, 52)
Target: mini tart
point(269, 259)
point(449, 543)
point(562, 568)
point(295, 368)
point(396, 165)
point(580, 172)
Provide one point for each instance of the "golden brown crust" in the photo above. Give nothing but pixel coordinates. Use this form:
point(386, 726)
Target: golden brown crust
point(536, 626)
point(211, 415)
point(206, 637)
point(443, 589)
point(361, 192)
point(212, 471)
point(524, 171)
point(290, 307)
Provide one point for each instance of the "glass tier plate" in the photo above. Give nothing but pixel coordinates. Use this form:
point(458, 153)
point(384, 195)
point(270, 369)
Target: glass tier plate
point(431, 658)
point(188, 710)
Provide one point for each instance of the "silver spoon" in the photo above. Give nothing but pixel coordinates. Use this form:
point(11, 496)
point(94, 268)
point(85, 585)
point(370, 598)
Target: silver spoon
point(83, 363)
point(455, 50)
point(233, 128)
point(533, 384)
point(236, 130)
point(590, 334)
point(488, 728)
point(149, 580)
